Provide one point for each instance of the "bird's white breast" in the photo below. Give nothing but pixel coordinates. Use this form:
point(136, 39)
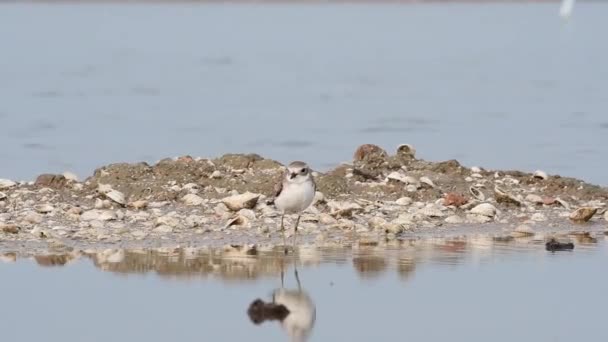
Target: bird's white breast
point(295, 197)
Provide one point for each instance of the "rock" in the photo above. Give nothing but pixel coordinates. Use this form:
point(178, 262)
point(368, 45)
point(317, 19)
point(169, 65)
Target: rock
point(6, 184)
point(538, 217)
point(404, 201)
point(9, 228)
point(192, 199)
point(367, 150)
point(376, 222)
point(98, 215)
point(484, 209)
point(583, 214)
point(44, 208)
point(51, 181)
point(453, 219)
point(167, 220)
point(32, 217)
point(452, 198)
point(139, 204)
point(163, 229)
point(522, 231)
point(247, 200)
point(99, 204)
point(536, 199)
point(541, 175)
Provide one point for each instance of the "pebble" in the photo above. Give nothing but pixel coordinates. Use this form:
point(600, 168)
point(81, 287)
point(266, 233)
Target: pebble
point(192, 199)
point(97, 214)
point(242, 201)
point(538, 217)
point(484, 209)
point(405, 201)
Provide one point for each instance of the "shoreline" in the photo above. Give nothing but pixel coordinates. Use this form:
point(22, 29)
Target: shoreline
point(379, 200)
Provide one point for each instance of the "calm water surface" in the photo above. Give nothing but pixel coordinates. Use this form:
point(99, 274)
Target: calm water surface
point(435, 290)
point(499, 85)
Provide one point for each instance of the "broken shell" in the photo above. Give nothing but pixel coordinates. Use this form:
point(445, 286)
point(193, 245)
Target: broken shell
point(484, 209)
point(540, 174)
point(6, 183)
point(406, 149)
point(44, 208)
point(247, 200)
point(563, 203)
point(239, 220)
point(477, 194)
point(427, 181)
point(583, 214)
point(504, 197)
point(116, 196)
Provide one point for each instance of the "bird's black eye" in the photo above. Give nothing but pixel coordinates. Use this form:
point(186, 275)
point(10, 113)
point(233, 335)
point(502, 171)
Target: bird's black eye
point(303, 170)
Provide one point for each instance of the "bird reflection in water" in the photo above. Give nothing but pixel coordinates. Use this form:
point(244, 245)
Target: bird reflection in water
point(293, 308)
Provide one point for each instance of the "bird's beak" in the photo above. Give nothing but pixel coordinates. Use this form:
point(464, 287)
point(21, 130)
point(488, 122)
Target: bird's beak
point(293, 175)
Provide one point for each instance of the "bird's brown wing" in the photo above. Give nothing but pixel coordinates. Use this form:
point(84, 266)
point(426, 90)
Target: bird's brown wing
point(278, 188)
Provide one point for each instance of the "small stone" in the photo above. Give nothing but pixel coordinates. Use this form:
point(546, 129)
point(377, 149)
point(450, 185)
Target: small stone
point(44, 208)
point(405, 201)
point(6, 183)
point(455, 199)
point(9, 228)
point(522, 231)
point(51, 181)
point(32, 217)
point(192, 199)
point(583, 214)
point(538, 217)
point(96, 214)
point(536, 199)
point(484, 209)
point(216, 175)
point(139, 204)
point(167, 220)
point(163, 229)
point(453, 219)
point(242, 201)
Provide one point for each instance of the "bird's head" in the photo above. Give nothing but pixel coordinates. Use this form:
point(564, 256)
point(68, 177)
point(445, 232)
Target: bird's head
point(298, 172)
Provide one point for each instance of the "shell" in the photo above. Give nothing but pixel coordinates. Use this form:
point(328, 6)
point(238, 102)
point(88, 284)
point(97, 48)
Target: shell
point(477, 194)
point(117, 197)
point(541, 174)
point(239, 220)
point(475, 169)
point(583, 214)
point(2, 196)
point(247, 200)
point(6, 183)
point(484, 209)
point(427, 181)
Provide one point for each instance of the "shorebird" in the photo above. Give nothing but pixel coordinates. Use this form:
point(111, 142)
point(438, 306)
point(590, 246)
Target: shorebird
point(294, 194)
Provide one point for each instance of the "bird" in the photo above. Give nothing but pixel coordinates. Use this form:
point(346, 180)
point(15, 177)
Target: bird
point(294, 194)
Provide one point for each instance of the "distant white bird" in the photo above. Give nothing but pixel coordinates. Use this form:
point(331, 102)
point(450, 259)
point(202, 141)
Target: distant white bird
point(566, 8)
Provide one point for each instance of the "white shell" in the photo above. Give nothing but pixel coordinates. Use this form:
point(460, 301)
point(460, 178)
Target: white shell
point(485, 209)
point(116, 196)
point(540, 174)
point(247, 200)
point(192, 199)
point(6, 183)
point(477, 194)
point(404, 201)
point(239, 220)
point(475, 169)
point(407, 149)
point(427, 181)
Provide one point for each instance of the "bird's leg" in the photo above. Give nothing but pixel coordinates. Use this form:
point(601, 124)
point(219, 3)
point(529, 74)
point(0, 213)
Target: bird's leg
point(295, 232)
point(283, 231)
point(282, 274)
point(297, 277)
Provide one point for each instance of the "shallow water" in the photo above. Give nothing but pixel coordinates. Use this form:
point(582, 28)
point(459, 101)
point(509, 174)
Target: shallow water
point(499, 85)
point(476, 289)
